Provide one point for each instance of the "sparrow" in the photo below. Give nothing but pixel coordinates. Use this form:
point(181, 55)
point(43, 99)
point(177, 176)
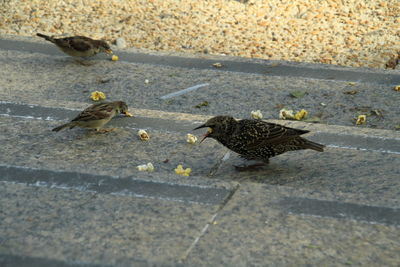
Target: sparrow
point(96, 116)
point(79, 46)
point(255, 139)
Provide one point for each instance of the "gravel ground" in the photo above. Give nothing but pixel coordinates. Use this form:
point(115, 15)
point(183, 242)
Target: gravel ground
point(344, 32)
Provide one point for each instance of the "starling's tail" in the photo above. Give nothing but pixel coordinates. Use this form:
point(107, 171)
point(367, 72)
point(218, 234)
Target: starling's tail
point(59, 128)
point(312, 145)
point(48, 38)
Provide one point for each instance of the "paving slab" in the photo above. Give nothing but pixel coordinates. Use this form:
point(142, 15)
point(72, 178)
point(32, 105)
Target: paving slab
point(117, 153)
point(265, 225)
point(97, 228)
point(371, 174)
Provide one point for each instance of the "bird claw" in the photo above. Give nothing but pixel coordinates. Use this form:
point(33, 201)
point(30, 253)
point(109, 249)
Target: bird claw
point(105, 130)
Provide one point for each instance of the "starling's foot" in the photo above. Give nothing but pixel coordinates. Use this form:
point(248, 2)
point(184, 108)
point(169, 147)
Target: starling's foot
point(105, 130)
point(252, 167)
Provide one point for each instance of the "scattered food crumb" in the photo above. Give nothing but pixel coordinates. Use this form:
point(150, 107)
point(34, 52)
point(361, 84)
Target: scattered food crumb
point(377, 112)
point(397, 88)
point(202, 104)
point(146, 81)
point(144, 136)
point(298, 94)
point(96, 96)
point(351, 92)
point(256, 114)
point(146, 167)
point(181, 171)
point(217, 65)
point(301, 114)
point(128, 114)
point(104, 80)
point(191, 139)
point(285, 114)
point(352, 83)
point(361, 119)
point(114, 58)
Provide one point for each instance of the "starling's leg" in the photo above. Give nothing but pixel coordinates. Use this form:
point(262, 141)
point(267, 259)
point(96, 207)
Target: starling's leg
point(252, 167)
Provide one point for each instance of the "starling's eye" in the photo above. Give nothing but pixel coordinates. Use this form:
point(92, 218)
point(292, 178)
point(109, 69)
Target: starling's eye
point(209, 130)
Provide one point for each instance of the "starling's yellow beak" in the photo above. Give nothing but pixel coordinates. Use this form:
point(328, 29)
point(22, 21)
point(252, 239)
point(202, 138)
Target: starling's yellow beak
point(109, 51)
point(128, 114)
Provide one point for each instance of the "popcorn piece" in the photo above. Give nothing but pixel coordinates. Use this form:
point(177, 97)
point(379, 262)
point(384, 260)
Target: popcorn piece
point(146, 81)
point(181, 171)
point(142, 168)
point(114, 58)
point(397, 88)
point(150, 167)
point(217, 65)
point(96, 96)
point(256, 114)
point(144, 136)
point(191, 139)
point(146, 167)
point(285, 114)
point(361, 119)
point(127, 113)
point(301, 114)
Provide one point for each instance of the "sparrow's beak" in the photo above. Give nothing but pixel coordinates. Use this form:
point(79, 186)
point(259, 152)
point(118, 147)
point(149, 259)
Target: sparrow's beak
point(127, 114)
point(109, 51)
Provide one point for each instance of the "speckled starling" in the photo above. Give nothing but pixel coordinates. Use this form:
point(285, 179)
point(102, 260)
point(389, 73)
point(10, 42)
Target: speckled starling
point(255, 139)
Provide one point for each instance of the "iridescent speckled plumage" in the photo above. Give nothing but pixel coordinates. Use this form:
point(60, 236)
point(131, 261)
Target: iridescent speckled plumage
point(256, 139)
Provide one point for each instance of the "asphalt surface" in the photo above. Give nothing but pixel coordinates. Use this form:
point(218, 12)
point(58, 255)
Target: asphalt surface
point(75, 198)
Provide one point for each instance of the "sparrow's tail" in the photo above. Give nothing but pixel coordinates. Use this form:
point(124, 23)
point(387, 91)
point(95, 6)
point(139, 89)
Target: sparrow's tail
point(59, 128)
point(312, 145)
point(48, 38)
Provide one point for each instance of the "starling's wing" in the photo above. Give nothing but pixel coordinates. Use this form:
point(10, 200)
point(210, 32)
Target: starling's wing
point(95, 112)
point(263, 133)
point(78, 43)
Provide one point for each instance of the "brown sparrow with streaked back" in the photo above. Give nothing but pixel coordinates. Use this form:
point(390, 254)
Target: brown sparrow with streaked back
point(96, 116)
point(79, 46)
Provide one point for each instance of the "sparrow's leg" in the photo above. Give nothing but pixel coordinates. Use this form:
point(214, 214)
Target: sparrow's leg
point(84, 63)
point(105, 130)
